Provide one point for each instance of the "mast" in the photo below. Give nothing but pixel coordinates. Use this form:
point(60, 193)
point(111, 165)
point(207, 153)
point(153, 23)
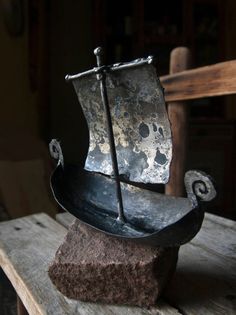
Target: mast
point(101, 76)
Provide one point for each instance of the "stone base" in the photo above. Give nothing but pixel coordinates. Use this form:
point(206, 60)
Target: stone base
point(92, 266)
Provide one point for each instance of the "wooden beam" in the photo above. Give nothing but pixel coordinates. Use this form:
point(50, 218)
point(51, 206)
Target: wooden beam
point(177, 111)
point(214, 80)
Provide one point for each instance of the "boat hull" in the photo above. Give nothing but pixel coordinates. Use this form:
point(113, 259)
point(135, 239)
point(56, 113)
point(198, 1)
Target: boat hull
point(151, 218)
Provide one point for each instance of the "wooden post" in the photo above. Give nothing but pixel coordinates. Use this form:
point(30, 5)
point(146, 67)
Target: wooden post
point(177, 111)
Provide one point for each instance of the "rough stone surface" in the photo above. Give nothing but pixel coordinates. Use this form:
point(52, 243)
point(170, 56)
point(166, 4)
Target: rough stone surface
point(91, 266)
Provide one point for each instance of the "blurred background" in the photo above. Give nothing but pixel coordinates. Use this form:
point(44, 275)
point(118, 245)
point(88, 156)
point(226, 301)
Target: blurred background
point(43, 40)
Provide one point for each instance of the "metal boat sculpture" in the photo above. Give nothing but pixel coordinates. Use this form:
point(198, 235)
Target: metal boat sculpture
point(129, 143)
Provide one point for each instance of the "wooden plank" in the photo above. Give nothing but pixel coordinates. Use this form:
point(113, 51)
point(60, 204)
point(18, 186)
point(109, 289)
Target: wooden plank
point(177, 112)
point(27, 246)
point(205, 279)
point(65, 219)
point(214, 80)
point(217, 236)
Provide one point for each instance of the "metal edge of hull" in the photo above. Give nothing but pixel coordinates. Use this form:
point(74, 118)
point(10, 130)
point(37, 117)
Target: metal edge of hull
point(175, 234)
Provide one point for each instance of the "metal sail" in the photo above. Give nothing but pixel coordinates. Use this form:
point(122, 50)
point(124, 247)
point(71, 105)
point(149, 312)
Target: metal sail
point(140, 123)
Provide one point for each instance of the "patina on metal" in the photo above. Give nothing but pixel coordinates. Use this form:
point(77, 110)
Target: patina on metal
point(130, 141)
point(141, 127)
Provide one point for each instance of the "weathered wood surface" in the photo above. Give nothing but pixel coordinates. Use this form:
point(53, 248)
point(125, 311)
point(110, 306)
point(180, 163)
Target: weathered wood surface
point(180, 60)
point(214, 80)
point(65, 219)
point(205, 279)
point(27, 247)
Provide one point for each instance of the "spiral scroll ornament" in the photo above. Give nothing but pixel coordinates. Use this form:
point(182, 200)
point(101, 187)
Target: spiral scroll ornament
point(199, 186)
point(56, 151)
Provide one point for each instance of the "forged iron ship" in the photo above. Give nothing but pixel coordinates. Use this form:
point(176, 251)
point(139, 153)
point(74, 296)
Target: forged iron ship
point(129, 143)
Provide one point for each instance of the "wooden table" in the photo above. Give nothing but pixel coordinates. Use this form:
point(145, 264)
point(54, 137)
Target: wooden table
point(204, 283)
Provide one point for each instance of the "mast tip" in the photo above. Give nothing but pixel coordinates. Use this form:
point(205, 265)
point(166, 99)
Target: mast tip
point(98, 51)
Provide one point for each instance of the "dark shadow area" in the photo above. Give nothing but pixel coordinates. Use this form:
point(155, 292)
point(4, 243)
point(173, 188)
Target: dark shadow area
point(189, 288)
point(7, 296)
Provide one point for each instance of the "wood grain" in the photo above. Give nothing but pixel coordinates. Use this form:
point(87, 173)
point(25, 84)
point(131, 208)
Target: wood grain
point(65, 219)
point(177, 112)
point(27, 246)
point(205, 279)
point(214, 80)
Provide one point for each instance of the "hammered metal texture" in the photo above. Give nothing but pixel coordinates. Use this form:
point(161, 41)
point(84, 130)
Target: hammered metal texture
point(140, 124)
point(151, 218)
